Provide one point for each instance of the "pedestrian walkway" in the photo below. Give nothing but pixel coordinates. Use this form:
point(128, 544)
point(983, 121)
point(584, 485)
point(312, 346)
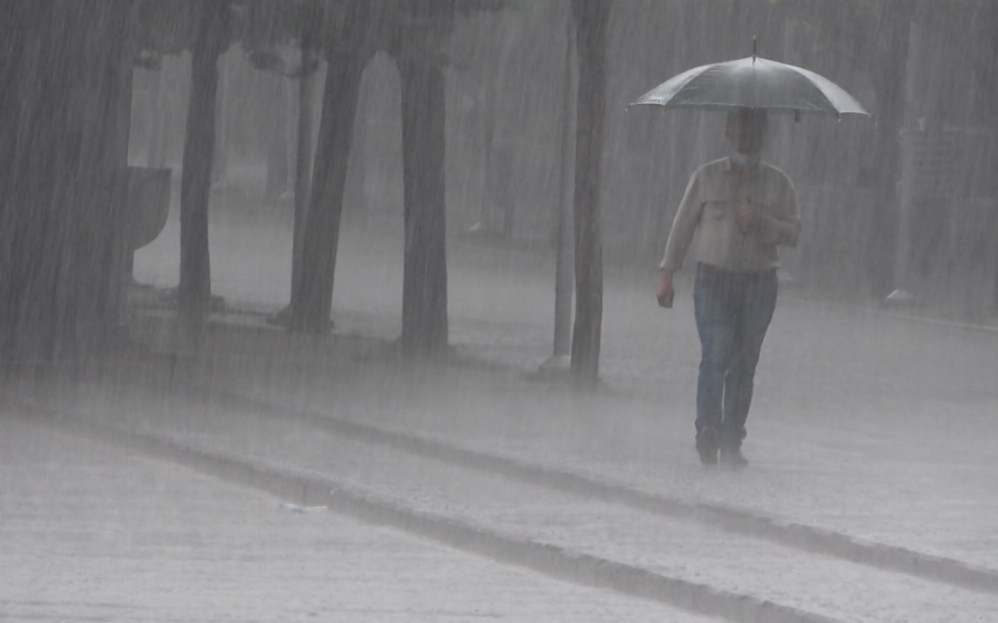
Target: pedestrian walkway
point(904, 470)
point(864, 424)
point(91, 534)
point(427, 494)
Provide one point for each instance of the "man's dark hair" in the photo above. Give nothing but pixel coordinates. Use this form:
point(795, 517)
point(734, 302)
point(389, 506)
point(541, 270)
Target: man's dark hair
point(750, 117)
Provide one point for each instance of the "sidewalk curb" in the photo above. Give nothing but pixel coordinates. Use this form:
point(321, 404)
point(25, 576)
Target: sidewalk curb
point(310, 490)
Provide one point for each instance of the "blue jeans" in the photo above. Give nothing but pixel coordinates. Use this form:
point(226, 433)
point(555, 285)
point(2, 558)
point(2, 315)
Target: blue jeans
point(733, 311)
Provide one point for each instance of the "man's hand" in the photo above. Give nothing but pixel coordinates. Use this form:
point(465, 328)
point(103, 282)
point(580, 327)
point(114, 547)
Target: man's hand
point(666, 293)
point(748, 216)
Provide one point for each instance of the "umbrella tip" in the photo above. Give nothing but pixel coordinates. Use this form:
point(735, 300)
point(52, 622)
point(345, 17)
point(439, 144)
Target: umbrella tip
point(755, 48)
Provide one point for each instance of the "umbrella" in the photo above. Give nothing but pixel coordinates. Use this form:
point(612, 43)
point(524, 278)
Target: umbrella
point(753, 82)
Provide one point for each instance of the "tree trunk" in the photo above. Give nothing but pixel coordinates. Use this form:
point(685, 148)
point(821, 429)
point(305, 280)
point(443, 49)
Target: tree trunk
point(890, 82)
point(312, 300)
point(303, 173)
point(93, 205)
point(14, 54)
point(592, 21)
point(220, 153)
point(563, 268)
point(989, 76)
point(60, 286)
point(991, 103)
point(199, 146)
point(33, 127)
point(424, 290)
point(118, 258)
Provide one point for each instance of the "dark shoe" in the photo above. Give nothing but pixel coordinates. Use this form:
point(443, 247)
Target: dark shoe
point(707, 445)
point(733, 457)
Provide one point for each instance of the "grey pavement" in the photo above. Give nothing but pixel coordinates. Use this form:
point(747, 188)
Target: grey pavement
point(863, 422)
point(688, 551)
point(90, 533)
point(903, 459)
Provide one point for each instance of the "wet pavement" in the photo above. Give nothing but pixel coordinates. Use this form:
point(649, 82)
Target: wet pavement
point(868, 426)
point(91, 533)
point(302, 423)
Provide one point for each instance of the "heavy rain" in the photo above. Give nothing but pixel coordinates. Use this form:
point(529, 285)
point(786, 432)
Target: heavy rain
point(451, 310)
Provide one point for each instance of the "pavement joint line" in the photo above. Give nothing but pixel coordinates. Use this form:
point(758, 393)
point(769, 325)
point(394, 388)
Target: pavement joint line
point(547, 559)
point(729, 518)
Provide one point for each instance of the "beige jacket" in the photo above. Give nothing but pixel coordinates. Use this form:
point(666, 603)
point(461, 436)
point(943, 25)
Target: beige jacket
point(708, 213)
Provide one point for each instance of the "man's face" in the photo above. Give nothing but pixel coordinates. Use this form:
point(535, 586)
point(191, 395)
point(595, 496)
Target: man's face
point(746, 135)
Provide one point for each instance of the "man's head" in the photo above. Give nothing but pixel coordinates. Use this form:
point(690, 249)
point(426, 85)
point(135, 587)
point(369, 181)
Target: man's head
point(746, 129)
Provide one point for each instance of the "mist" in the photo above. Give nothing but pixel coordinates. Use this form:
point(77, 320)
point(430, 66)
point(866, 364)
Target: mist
point(346, 310)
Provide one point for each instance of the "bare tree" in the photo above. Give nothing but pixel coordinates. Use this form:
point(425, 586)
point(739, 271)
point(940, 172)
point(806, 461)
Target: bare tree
point(424, 291)
point(413, 33)
point(592, 21)
point(211, 38)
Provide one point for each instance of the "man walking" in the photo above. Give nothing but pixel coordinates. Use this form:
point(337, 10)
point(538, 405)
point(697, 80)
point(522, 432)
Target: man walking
point(736, 211)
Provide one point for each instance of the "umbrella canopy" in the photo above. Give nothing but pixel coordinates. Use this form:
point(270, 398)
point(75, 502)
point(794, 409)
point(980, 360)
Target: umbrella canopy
point(753, 82)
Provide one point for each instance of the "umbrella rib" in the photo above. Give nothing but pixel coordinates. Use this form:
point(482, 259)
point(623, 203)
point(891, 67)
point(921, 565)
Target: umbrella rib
point(678, 85)
point(823, 85)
